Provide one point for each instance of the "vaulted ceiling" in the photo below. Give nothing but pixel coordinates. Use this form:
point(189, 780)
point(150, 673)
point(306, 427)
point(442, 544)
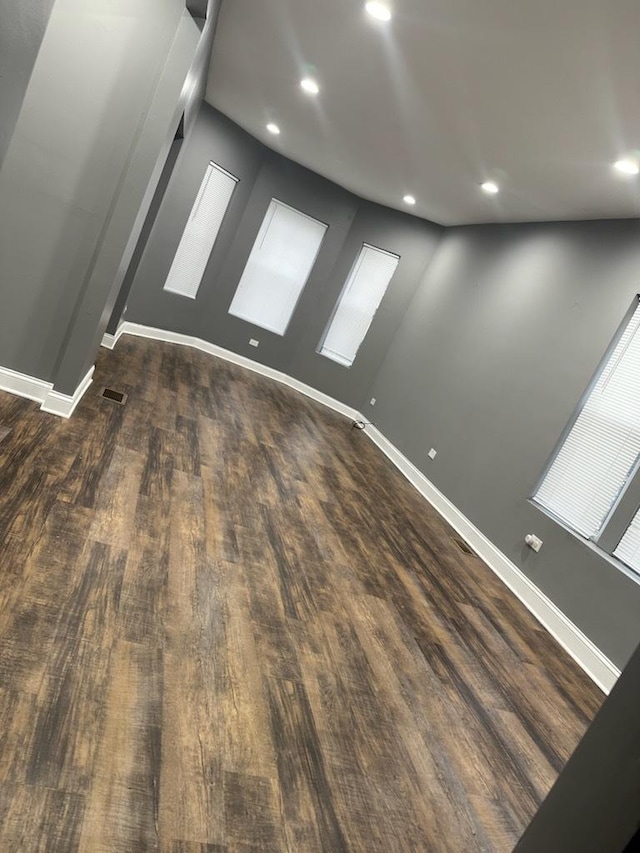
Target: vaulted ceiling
point(539, 96)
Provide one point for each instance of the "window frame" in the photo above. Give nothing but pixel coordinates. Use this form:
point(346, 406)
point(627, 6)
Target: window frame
point(627, 503)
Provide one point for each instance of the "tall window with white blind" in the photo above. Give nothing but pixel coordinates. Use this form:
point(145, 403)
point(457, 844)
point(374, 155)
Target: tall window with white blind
point(200, 232)
point(599, 456)
point(358, 303)
point(278, 268)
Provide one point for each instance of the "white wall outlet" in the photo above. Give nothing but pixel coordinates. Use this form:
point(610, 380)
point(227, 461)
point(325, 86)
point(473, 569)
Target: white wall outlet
point(432, 453)
point(253, 342)
point(534, 542)
point(372, 401)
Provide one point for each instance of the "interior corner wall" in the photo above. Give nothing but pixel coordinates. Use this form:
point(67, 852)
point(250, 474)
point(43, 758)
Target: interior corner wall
point(499, 344)
point(107, 91)
point(22, 28)
point(263, 175)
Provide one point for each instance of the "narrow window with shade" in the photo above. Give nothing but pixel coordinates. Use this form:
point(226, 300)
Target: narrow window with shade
point(360, 298)
point(201, 231)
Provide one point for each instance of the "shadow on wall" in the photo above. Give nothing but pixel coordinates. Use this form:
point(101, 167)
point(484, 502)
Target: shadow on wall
point(198, 8)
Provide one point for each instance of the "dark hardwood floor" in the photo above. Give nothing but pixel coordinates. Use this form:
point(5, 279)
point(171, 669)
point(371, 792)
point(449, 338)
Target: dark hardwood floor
point(227, 623)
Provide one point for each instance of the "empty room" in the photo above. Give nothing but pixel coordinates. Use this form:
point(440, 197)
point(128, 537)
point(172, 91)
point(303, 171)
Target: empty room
point(319, 426)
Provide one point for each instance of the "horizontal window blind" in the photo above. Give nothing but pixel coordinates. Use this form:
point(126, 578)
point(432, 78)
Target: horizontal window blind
point(200, 232)
point(628, 549)
point(358, 303)
point(600, 451)
point(279, 265)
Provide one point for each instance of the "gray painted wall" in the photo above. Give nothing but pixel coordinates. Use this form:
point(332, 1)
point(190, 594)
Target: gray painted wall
point(498, 346)
point(22, 27)
point(143, 238)
point(264, 175)
point(190, 101)
point(175, 92)
point(415, 241)
point(63, 169)
point(81, 170)
point(239, 154)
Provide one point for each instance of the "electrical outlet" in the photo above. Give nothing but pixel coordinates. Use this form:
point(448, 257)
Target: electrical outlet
point(372, 401)
point(253, 342)
point(534, 542)
point(432, 453)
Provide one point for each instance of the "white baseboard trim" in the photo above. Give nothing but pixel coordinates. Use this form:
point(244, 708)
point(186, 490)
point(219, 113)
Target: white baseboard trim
point(600, 669)
point(42, 392)
point(64, 405)
point(109, 341)
point(23, 385)
point(596, 665)
point(140, 331)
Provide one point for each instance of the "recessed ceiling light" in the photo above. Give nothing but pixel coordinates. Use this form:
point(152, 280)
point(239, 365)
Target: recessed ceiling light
point(273, 128)
point(409, 199)
point(310, 86)
point(627, 166)
point(490, 187)
point(378, 10)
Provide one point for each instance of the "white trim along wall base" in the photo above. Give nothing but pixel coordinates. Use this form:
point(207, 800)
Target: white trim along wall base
point(597, 666)
point(24, 386)
point(42, 392)
point(109, 341)
point(64, 405)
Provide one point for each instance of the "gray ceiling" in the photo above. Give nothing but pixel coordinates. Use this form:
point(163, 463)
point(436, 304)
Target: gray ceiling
point(539, 95)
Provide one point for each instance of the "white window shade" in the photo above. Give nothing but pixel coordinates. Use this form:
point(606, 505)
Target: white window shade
point(200, 232)
point(278, 268)
point(628, 549)
point(602, 447)
point(358, 303)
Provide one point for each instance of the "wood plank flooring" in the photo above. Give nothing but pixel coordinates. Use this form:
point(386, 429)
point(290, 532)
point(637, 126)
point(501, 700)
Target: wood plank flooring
point(228, 624)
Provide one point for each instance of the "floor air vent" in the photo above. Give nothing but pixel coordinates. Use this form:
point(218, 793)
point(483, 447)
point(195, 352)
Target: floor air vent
point(462, 545)
point(114, 396)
